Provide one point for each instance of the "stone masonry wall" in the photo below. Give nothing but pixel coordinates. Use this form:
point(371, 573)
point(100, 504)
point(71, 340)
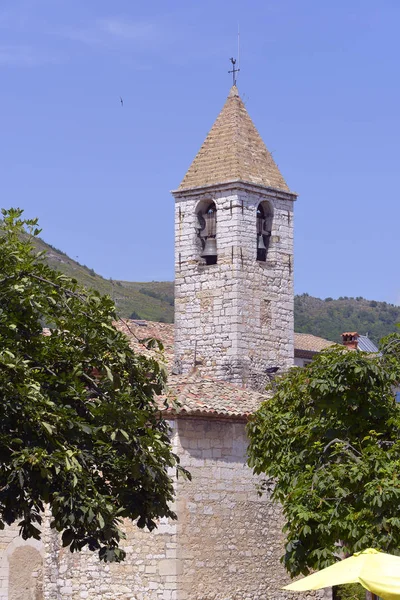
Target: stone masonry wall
point(141, 576)
point(146, 573)
point(21, 566)
point(225, 545)
point(45, 571)
point(229, 538)
point(234, 319)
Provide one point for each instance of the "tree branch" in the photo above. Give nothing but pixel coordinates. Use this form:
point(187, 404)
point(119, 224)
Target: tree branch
point(347, 446)
point(132, 332)
point(59, 287)
point(95, 386)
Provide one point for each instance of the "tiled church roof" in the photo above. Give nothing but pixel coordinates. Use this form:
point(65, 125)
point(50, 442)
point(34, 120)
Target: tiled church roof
point(195, 393)
point(142, 330)
point(311, 343)
point(233, 151)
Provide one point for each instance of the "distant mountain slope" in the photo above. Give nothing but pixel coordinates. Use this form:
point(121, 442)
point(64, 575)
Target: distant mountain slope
point(330, 318)
point(154, 301)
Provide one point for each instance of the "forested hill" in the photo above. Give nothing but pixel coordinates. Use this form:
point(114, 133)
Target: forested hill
point(330, 318)
point(155, 300)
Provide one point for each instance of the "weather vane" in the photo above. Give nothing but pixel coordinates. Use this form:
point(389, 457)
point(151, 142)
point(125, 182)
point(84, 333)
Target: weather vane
point(234, 71)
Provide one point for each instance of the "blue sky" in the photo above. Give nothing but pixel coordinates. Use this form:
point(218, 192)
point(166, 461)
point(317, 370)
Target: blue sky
point(320, 81)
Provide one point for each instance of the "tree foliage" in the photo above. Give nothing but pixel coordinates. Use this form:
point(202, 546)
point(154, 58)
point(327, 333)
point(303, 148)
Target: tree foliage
point(80, 430)
point(328, 442)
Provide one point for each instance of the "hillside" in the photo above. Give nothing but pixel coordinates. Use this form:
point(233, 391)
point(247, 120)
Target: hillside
point(154, 301)
point(330, 318)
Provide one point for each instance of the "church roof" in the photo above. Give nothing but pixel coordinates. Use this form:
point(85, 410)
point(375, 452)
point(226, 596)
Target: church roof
point(196, 394)
point(310, 343)
point(233, 151)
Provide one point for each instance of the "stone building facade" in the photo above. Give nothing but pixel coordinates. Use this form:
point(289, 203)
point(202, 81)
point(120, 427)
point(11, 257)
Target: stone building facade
point(234, 327)
point(225, 545)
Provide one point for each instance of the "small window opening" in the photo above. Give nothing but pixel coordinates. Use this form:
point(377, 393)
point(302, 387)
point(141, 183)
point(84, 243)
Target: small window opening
point(263, 233)
point(207, 232)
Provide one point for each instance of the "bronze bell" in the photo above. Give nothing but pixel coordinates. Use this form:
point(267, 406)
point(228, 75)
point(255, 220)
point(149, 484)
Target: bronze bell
point(210, 248)
point(260, 243)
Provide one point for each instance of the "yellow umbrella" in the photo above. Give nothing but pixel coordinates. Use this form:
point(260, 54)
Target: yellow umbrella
point(376, 571)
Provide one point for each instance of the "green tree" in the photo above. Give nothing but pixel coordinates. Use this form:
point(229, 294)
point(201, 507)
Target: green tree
point(328, 442)
point(80, 429)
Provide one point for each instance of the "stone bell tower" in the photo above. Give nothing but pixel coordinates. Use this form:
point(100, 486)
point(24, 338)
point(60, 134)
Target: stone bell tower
point(234, 257)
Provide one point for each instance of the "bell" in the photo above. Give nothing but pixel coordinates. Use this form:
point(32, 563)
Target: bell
point(260, 243)
point(210, 248)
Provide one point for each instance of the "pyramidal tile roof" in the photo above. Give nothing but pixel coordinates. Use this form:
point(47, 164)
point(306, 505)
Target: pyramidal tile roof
point(233, 151)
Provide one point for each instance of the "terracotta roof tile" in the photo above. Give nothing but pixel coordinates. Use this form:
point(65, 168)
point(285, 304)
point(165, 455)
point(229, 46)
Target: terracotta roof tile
point(195, 393)
point(309, 342)
point(137, 331)
point(233, 151)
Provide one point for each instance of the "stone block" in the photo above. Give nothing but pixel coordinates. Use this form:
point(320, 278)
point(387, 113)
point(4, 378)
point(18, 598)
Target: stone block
point(170, 567)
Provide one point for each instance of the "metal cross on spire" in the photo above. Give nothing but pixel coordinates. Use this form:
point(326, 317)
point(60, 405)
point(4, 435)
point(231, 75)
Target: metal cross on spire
point(234, 71)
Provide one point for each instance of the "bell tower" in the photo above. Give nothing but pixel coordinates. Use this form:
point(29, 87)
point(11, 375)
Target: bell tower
point(234, 257)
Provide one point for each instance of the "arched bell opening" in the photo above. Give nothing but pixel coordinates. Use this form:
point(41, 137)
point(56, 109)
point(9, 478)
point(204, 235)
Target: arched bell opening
point(207, 232)
point(264, 228)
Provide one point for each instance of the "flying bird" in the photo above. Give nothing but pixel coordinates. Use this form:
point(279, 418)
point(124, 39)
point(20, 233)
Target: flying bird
point(122, 102)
